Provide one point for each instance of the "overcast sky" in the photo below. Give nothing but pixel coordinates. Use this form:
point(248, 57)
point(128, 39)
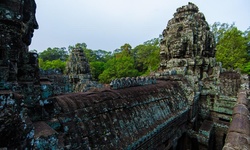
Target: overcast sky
point(108, 24)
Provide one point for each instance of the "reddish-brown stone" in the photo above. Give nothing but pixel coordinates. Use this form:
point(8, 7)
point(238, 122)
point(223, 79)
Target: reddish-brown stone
point(43, 130)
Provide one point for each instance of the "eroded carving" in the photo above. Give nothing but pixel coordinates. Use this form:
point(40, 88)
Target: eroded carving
point(17, 24)
point(187, 35)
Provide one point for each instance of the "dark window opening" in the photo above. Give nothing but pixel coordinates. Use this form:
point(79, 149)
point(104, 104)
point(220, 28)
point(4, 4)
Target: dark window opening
point(222, 119)
point(1, 54)
point(180, 28)
point(224, 139)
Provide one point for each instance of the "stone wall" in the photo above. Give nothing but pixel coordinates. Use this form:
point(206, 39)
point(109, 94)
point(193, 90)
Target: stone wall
point(230, 83)
point(239, 131)
point(137, 117)
point(16, 129)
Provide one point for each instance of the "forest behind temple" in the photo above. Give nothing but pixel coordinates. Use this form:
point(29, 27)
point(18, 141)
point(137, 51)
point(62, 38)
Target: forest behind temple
point(232, 49)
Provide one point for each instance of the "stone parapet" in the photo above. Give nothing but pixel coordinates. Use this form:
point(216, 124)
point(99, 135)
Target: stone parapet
point(131, 82)
point(129, 118)
point(238, 136)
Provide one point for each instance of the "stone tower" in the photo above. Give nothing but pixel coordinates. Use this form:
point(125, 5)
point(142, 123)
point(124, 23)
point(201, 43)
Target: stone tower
point(79, 73)
point(78, 63)
point(19, 78)
point(187, 43)
point(188, 51)
point(17, 25)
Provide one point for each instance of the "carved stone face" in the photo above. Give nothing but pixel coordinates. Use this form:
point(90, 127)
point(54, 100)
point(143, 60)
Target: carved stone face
point(175, 47)
point(21, 14)
point(17, 24)
point(175, 42)
point(187, 35)
point(29, 20)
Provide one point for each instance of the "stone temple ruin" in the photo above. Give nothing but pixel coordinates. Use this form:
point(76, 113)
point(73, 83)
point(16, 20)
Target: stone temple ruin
point(78, 70)
point(190, 102)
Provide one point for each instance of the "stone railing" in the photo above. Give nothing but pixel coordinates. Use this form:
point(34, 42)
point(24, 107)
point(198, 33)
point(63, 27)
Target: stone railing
point(238, 136)
point(50, 72)
point(131, 82)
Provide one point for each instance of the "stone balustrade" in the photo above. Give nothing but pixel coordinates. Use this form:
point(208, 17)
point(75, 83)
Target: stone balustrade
point(131, 82)
point(238, 136)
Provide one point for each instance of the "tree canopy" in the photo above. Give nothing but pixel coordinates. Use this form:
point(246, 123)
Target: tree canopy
point(54, 64)
point(54, 54)
point(147, 56)
point(120, 65)
point(53, 58)
point(232, 46)
point(233, 50)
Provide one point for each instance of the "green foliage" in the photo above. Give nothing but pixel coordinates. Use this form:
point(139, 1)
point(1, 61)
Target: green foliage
point(128, 62)
point(126, 49)
point(125, 67)
point(154, 41)
point(246, 68)
point(121, 65)
point(219, 30)
point(232, 47)
point(54, 54)
point(97, 60)
point(54, 64)
point(109, 73)
point(53, 58)
point(77, 45)
point(147, 56)
point(233, 50)
point(103, 55)
point(117, 68)
point(96, 67)
point(93, 55)
point(105, 66)
point(247, 35)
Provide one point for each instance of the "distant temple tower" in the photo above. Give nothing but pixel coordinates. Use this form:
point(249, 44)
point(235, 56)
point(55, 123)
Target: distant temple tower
point(79, 73)
point(78, 63)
